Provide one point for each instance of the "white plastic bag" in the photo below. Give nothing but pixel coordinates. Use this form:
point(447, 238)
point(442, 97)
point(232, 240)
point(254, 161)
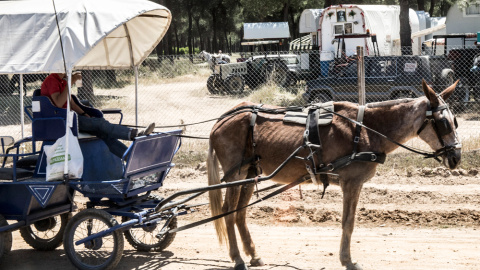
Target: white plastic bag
point(56, 158)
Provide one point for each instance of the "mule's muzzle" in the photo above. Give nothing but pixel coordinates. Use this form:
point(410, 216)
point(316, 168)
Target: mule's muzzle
point(451, 155)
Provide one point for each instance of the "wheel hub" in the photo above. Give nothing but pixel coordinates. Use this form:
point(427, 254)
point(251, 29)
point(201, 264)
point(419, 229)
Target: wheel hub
point(45, 224)
point(94, 244)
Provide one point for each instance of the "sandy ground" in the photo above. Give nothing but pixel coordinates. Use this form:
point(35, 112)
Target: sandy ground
point(402, 223)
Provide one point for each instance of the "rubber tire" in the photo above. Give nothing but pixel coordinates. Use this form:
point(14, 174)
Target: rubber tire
point(234, 84)
point(5, 239)
point(116, 236)
point(161, 245)
point(45, 244)
point(476, 91)
point(213, 85)
point(320, 98)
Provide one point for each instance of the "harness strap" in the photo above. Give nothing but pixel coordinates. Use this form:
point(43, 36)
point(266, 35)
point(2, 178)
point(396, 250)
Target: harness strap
point(358, 128)
point(276, 192)
point(251, 135)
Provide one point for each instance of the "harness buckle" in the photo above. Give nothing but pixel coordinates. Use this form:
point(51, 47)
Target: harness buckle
point(373, 157)
point(356, 139)
point(330, 167)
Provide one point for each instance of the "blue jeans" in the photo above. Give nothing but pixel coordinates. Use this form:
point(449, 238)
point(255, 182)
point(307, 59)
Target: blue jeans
point(108, 132)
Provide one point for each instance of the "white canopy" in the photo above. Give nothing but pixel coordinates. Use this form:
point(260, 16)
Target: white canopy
point(268, 30)
point(95, 34)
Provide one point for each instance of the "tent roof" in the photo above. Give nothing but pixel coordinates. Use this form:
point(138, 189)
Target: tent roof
point(268, 30)
point(104, 34)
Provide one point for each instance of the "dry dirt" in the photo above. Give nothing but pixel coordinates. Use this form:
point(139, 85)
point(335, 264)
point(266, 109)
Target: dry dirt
point(414, 222)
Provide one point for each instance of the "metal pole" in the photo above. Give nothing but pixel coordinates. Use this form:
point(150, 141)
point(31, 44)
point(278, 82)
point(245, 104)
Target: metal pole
point(22, 120)
point(360, 76)
point(136, 95)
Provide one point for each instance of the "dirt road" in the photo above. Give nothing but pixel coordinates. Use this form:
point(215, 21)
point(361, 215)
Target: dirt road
point(403, 222)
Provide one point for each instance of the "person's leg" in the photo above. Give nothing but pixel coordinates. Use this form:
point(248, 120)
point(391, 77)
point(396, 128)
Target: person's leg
point(116, 147)
point(103, 128)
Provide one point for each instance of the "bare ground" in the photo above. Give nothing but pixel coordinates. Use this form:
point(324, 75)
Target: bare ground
point(403, 222)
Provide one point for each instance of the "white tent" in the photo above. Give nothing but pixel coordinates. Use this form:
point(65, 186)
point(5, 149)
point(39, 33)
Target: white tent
point(58, 36)
point(95, 34)
point(268, 30)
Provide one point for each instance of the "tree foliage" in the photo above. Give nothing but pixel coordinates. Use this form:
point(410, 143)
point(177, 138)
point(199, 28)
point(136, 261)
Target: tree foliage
point(214, 25)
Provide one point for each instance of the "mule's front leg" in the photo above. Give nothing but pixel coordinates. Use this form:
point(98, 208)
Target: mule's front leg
point(351, 193)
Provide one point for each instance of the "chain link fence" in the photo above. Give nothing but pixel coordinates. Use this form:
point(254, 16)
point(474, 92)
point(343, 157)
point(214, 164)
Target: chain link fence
point(177, 90)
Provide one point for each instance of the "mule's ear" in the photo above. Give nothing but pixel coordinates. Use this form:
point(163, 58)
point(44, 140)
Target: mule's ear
point(449, 91)
point(430, 94)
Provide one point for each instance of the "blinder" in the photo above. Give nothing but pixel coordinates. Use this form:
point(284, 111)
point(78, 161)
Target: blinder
point(442, 127)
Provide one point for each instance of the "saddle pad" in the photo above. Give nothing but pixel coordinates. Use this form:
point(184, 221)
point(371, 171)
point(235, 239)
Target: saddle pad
point(324, 117)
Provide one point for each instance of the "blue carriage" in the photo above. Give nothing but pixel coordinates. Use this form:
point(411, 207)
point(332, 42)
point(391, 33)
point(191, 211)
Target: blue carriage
point(80, 35)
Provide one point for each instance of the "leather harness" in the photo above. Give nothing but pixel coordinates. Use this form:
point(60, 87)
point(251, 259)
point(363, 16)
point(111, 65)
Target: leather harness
point(311, 140)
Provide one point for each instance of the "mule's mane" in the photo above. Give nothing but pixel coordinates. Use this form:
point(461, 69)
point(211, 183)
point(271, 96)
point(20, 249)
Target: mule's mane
point(389, 103)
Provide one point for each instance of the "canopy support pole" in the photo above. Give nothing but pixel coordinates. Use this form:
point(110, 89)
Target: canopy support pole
point(67, 124)
point(22, 119)
point(136, 94)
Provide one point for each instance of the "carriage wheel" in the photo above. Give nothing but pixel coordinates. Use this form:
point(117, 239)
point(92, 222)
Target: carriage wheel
point(5, 239)
point(144, 238)
point(99, 253)
point(46, 234)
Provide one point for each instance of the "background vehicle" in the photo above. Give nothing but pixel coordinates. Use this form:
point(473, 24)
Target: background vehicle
point(256, 70)
point(455, 63)
point(386, 77)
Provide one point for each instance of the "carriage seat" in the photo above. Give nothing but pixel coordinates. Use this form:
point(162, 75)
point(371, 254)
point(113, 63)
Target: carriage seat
point(17, 171)
point(48, 121)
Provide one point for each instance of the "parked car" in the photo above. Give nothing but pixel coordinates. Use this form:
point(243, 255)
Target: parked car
point(386, 77)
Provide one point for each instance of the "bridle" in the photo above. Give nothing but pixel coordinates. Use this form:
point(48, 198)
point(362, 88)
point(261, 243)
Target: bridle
point(442, 127)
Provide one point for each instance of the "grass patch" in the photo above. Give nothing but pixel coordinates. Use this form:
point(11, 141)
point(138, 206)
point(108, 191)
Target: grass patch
point(272, 94)
point(191, 153)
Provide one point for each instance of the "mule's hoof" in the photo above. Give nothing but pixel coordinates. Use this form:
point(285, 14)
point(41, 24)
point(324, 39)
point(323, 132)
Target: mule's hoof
point(354, 266)
point(241, 266)
point(257, 262)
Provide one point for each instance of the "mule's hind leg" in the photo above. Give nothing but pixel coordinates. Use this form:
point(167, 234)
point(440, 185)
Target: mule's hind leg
point(248, 245)
point(231, 202)
point(351, 193)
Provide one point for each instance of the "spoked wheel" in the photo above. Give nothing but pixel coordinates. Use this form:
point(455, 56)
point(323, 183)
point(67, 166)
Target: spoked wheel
point(46, 234)
point(5, 239)
point(99, 253)
point(145, 238)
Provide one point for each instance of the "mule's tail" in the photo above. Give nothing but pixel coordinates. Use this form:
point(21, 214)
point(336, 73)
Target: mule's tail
point(215, 196)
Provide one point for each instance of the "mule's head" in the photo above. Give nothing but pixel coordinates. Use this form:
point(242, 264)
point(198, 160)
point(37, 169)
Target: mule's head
point(439, 127)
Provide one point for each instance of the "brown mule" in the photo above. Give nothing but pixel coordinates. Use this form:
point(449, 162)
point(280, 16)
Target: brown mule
point(399, 120)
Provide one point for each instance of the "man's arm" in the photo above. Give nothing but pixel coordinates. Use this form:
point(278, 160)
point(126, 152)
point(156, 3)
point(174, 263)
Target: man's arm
point(60, 98)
